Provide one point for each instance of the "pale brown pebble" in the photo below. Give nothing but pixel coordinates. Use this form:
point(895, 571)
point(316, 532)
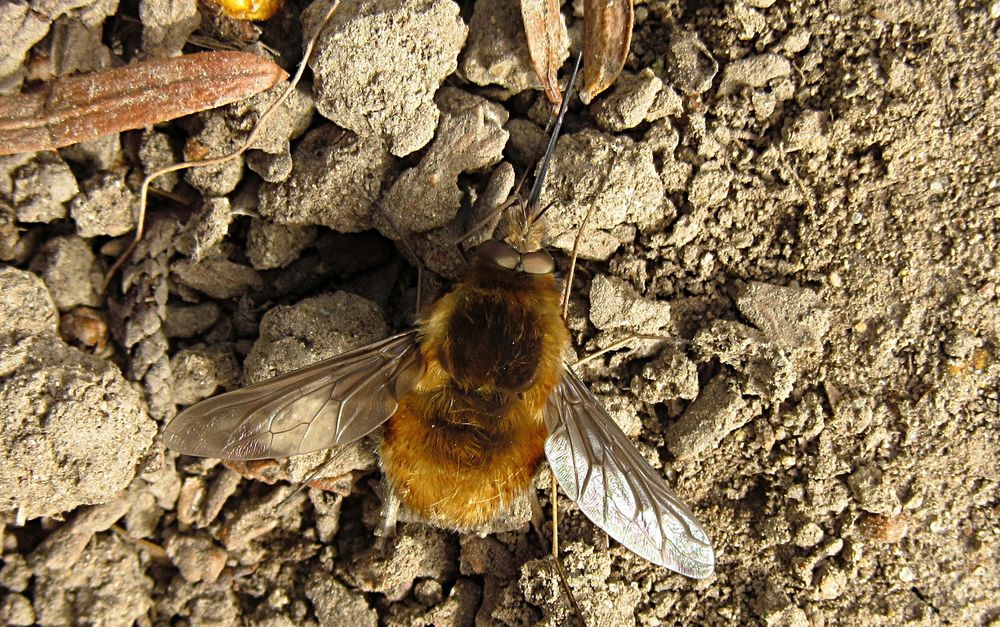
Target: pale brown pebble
point(16, 609)
point(872, 492)
point(143, 516)
point(196, 556)
point(104, 206)
point(691, 65)
point(15, 573)
point(719, 410)
point(222, 487)
point(189, 500)
point(629, 103)
point(41, 189)
point(754, 71)
point(614, 304)
point(762, 368)
point(257, 518)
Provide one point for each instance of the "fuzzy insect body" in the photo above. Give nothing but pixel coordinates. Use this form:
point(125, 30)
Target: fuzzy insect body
point(468, 439)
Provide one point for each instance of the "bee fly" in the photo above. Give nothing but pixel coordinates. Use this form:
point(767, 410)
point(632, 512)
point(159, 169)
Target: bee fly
point(471, 401)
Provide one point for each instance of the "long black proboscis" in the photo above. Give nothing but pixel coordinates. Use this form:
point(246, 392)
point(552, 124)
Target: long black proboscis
point(536, 188)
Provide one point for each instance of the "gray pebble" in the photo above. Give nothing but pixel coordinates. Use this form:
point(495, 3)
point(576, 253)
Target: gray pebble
point(271, 245)
point(369, 79)
point(614, 304)
point(26, 307)
point(793, 317)
point(337, 178)
point(629, 103)
point(69, 268)
point(719, 410)
point(217, 276)
point(670, 376)
point(335, 604)
point(41, 188)
point(691, 66)
point(190, 320)
point(104, 206)
point(95, 428)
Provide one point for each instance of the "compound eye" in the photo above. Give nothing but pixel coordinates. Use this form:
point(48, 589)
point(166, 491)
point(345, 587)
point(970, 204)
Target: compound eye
point(538, 262)
point(499, 253)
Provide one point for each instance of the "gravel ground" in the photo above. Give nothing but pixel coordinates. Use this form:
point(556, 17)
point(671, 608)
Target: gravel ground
point(805, 195)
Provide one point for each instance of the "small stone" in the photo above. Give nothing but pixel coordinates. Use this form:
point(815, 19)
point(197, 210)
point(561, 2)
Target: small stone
point(470, 137)
point(762, 368)
point(615, 305)
point(196, 556)
point(205, 230)
point(21, 27)
point(337, 178)
point(753, 71)
point(718, 411)
point(808, 535)
point(670, 376)
point(166, 26)
point(419, 551)
point(143, 516)
point(629, 103)
point(217, 276)
point(63, 548)
point(710, 185)
point(335, 604)
point(104, 206)
point(831, 583)
point(313, 329)
point(271, 245)
point(74, 431)
point(613, 174)
point(668, 103)
point(216, 138)
point(199, 373)
point(15, 573)
point(190, 320)
point(16, 609)
point(42, 187)
point(69, 268)
point(368, 77)
point(869, 488)
point(26, 306)
point(496, 52)
point(793, 317)
point(691, 66)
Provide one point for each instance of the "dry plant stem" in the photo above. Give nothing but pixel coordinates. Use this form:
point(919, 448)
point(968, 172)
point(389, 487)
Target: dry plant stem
point(144, 190)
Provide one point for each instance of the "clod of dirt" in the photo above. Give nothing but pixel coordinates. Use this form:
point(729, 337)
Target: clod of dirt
point(104, 206)
point(108, 586)
point(41, 188)
point(74, 429)
point(270, 155)
point(629, 103)
point(311, 330)
point(497, 50)
point(215, 139)
point(63, 548)
point(197, 556)
point(754, 71)
point(15, 609)
point(808, 132)
point(470, 137)
point(872, 492)
point(190, 320)
point(670, 376)
point(418, 551)
point(198, 373)
point(205, 229)
point(271, 245)
point(26, 306)
point(614, 304)
point(793, 317)
point(719, 410)
point(335, 604)
point(337, 178)
point(166, 26)
point(368, 77)
point(217, 276)
point(691, 66)
point(614, 174)
point(21, 27)
point(69, 268)
point(709, 188)
point(762, 369)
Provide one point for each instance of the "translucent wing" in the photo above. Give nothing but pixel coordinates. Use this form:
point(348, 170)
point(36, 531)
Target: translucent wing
point(599, 468)
point(335, 401)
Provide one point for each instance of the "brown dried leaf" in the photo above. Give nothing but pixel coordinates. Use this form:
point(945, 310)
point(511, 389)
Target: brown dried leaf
point(78, 108)
point(607, 35)
point(543, 28)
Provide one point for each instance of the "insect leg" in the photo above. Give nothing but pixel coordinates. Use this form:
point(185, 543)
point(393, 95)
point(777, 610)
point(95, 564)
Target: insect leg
point(387, 525)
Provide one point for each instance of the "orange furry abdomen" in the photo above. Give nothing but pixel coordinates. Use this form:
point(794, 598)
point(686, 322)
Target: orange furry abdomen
point(468, 439)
